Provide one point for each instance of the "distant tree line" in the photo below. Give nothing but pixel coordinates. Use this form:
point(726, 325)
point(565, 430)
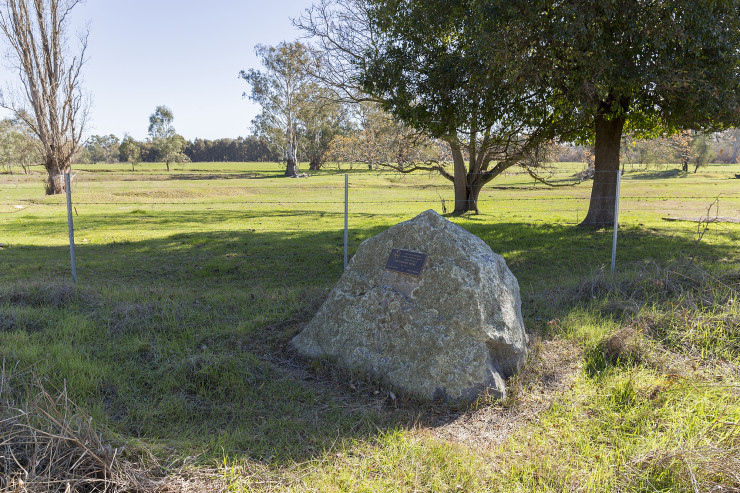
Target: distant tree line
point(108, 149)
point(241, 149)
point(371, 138)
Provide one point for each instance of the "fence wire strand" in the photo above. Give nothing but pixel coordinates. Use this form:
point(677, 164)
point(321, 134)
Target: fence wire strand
point(325, 213)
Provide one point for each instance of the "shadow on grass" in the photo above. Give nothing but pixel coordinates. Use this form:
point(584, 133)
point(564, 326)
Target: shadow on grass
point(209, 174)
point(222, 176)
point(658, 175)
point(157, 175)
point(186, 338)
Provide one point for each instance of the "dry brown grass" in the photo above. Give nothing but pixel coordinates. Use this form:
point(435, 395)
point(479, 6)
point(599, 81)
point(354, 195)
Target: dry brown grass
point(625, 345)
point(647, 282)
point(47, 444)
point(705, 467)
point(551, 368)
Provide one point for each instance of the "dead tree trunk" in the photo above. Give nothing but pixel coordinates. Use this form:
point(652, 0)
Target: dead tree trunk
point(55, 177)
point(735, 149)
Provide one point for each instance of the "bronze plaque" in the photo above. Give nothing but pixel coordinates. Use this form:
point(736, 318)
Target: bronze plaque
point(406, 262)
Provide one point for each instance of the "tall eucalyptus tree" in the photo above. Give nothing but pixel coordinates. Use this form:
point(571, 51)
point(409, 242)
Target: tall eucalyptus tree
point(281, 90)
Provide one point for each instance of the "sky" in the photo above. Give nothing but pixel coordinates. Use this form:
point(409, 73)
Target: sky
point(183, 54)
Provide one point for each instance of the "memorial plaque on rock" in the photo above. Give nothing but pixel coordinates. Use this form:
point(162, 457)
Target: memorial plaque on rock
point(438, 317)
point(406, 262)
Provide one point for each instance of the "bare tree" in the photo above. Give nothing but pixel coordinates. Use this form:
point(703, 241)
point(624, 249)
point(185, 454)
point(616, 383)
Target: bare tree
point(49, 100)
point(731, 136)
point(344, 39)
point(380, 141)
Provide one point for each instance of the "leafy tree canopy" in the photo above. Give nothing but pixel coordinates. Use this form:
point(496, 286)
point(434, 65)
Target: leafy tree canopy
point(663, 65)
point(18, 145)
point(649, 67)
point(166, 142)
point(436, 66)
point(576, 70)
point(431, 64)
point(129, 151)
point(102, 148)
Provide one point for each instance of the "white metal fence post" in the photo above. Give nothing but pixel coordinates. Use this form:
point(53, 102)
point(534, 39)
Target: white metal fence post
point(346, 214)
point(71, 227)
point(616, 221)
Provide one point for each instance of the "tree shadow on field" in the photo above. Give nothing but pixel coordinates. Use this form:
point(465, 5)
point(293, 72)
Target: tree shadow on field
point(190, 333)
point(545, 255)
point(223, 176)
point(192, 174)
point(658, 175)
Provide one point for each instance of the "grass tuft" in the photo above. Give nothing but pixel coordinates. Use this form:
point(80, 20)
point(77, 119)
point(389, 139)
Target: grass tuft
point(690, 467)
point(40, 294)
point(48, 443)
point(624, 348)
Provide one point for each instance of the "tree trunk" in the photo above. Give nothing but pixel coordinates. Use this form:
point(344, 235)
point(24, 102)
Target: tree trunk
point(168, 165)
point(314, 165)
point(471, 199)
point(606, 167)
point(467, 185)
point(460, 180)
point(291, 155)
point(735, 148)
point(291, 169)
point(55, 180)
point(474, 189)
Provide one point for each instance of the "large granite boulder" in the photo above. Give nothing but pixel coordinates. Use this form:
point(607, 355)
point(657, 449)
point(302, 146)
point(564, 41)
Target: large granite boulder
point(450, 332)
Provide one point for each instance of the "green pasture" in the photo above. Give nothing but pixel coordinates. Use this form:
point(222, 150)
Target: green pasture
point(192, 283)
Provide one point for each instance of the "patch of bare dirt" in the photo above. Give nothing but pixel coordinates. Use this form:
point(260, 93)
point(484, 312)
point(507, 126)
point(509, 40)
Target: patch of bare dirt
point(551, 369)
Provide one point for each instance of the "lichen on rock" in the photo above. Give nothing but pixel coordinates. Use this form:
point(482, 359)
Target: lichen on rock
point(450, 333)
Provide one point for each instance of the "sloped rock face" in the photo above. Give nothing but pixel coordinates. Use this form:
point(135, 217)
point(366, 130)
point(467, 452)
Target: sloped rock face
point(449, 333)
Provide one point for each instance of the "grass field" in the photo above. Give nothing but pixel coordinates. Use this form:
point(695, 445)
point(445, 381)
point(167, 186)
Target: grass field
point(192, 283)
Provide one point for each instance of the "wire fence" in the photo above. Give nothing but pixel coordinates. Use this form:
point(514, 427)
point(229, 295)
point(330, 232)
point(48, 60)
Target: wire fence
point(705, 209)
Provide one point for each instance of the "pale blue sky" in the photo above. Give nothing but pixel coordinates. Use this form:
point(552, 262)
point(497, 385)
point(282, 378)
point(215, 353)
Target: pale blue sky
point(184, 54)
